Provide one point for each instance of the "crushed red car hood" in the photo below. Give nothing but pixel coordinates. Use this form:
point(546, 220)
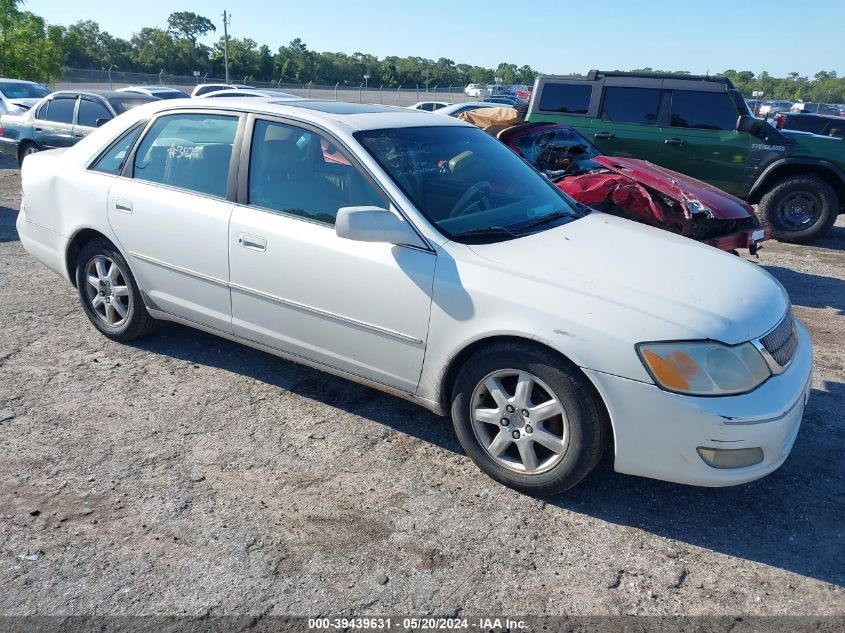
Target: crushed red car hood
point(674, 185)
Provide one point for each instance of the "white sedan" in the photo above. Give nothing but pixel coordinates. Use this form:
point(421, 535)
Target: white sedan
point(420, 256)
point(429, 106)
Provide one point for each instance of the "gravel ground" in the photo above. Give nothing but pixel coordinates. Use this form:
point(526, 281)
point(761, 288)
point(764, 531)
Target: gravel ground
point(189, 475)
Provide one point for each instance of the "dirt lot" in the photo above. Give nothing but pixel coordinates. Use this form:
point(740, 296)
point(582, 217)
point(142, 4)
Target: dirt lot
point(189, 475)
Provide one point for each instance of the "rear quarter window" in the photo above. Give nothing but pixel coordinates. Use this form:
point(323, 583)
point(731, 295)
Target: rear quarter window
point(566, 98)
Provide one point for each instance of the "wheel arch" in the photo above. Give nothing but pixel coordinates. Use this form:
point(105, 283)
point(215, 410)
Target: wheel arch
point(787, 167)
point(457, 361)
point(75, 244)
point(22, 145)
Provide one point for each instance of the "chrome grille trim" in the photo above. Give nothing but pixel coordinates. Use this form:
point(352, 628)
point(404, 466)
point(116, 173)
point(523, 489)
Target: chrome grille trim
point(780, 344)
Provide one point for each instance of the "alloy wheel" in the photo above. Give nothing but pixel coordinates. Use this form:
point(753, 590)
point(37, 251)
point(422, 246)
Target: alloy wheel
point(107, 291)
point(519, 421)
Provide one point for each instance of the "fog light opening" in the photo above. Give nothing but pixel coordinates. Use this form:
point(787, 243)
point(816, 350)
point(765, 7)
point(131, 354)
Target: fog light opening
point(730, 457)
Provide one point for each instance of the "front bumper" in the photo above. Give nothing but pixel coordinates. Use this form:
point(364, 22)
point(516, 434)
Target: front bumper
point(657, 433)
point(746, 238)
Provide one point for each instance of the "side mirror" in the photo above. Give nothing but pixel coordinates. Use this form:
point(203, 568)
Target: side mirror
point(102, 122)
point(746, 123)
point(374, 224)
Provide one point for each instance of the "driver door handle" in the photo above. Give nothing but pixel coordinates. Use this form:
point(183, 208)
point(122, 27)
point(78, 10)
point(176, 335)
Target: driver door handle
point(252, 242)
point(607, 136)
point(674, 141)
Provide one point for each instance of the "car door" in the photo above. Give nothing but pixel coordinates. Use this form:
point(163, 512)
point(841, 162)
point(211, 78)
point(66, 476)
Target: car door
point(360, 307)
point(89, 112)
point(53, 125)
point(170, 213)
point(627, 124)
point(701, 139)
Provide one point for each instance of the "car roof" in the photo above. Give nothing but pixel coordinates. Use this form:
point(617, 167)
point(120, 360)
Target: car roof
point(106, 94)
point(6, 80)
point(336, 114)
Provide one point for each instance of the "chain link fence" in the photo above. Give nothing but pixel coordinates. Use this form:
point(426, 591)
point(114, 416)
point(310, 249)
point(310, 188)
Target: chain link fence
point(81, 79)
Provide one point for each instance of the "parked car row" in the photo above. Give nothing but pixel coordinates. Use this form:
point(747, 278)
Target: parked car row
point(62, 118)
point(482, 91)
point(769, 109)
point(414, 253)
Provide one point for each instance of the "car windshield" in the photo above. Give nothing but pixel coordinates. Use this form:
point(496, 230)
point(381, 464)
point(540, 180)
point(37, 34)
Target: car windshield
point(14, 90)
point(122, 104)
point(468, 184)
point(556, 151)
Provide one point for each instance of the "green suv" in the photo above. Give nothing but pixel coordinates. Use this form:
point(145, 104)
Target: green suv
point(701, 126)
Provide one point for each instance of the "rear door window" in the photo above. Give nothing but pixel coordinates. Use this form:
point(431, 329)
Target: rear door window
point(188, 151)
point(90, 112)
point(630, 105)
point(703, 110)
point(566, 98)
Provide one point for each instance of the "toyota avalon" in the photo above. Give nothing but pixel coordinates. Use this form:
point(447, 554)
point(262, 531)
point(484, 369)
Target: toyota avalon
point(420, 256)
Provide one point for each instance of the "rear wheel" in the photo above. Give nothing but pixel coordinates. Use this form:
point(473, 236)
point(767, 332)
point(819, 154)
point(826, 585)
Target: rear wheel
point(800, 209)
point(528, 418)
point(26, 149)
point(109, 293)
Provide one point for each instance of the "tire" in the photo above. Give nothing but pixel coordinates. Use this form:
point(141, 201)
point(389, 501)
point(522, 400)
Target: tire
point(26, 148)
point(114, 305)
point(800, 209)
point(566, 446)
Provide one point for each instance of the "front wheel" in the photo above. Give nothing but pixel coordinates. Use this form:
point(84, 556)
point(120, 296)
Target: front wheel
point(528, 418)
point(109, 294)
point(800, 209)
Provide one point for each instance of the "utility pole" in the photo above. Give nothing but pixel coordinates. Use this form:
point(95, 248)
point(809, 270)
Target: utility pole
point(226, 20)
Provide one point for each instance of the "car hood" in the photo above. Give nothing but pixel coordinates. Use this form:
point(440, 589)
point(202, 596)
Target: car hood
point(678, 187)
point(646, 275)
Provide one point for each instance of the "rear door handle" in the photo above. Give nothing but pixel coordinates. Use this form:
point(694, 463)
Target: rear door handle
point(39, 129)
point(674, 141)
point(79, 134)
point(607, 136)
point(124, 206)
point(252, 242)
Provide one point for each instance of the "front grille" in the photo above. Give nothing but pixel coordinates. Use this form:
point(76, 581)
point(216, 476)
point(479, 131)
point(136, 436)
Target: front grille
point(782, 342)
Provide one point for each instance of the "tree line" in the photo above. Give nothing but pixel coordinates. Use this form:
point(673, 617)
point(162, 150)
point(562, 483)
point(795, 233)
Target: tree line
point(32, 49)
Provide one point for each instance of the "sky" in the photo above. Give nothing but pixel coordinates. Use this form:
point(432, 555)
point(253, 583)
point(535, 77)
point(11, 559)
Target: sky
point(779, 36)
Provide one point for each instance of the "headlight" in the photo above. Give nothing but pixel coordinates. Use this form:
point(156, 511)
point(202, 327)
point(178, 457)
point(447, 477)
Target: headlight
point(704, 368)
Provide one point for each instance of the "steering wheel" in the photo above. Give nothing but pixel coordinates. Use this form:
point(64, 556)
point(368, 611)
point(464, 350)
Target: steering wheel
point(476, 193)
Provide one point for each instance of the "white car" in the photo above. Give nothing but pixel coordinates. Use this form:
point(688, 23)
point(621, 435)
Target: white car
point(247, 92)
point(201, 89)
point(429, 106)
point(456, 108)
point(18, 96)
point(162, 92)
point(479, 91)
point(422, 257)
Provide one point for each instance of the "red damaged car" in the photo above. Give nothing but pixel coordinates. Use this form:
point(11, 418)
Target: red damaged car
point(633, 188)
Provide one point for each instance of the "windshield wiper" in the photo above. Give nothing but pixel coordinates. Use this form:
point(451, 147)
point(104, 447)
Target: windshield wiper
point(486, 231)
point(549, 217)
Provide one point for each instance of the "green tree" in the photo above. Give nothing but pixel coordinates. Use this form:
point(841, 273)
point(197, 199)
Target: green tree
point(189, 25)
